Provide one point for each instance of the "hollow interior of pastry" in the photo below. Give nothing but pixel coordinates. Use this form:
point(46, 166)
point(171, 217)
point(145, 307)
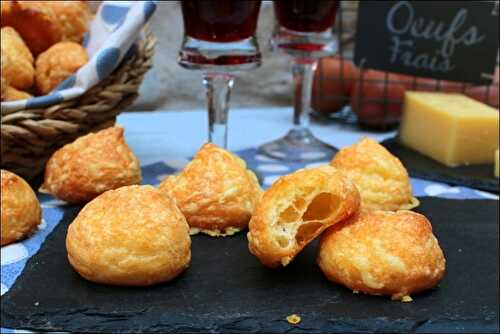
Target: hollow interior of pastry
point(304, 216)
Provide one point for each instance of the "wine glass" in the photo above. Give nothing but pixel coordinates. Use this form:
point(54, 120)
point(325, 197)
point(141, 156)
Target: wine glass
point(303, 31)
point(219, 39)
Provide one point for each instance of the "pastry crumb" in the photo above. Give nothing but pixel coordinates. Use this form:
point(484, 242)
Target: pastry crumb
point(194, 231)
point(406, 299)
point(215, 233)
point(36, 303)
point(293, 319)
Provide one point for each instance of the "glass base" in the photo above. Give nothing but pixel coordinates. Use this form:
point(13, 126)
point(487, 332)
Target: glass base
point(299, 145)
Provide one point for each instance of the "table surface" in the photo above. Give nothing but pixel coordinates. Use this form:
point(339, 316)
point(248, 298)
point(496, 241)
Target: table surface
point(164, 142)
point(153, 135)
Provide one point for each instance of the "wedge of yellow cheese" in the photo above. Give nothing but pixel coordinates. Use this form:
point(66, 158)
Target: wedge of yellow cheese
point(450, 128)
point(496, 163)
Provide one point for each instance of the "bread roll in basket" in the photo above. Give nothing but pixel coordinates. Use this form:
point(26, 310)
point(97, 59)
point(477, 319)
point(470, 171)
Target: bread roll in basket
point(31, 133)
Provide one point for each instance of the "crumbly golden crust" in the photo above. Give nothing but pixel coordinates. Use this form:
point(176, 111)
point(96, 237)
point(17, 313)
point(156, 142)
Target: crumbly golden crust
point(380, 177)
point(34, 21)
point(89, 166)
point(12, 94)
point(73, 17)
point(21, 213)
point(17, 60)
point(134, 235)
point(3, 88)
point(57, 63)
point(296, 209)
point(383, 253)
point(215, 191)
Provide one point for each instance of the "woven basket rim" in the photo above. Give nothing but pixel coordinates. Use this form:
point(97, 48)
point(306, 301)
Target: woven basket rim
point(147, 38)
point(30, 136)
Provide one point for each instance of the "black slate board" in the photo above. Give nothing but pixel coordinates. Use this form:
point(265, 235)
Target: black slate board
point(227, 290)
point(418, 165)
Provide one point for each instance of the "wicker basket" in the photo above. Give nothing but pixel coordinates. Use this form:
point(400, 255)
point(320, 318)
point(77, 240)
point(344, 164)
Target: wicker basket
point(29, 137)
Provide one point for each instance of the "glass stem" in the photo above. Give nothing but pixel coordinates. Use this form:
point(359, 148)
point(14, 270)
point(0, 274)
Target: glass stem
point(303, 75)
point(218, 92)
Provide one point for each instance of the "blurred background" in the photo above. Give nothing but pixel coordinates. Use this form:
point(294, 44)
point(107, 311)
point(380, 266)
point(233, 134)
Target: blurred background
point(170, 87)
point(374, 96)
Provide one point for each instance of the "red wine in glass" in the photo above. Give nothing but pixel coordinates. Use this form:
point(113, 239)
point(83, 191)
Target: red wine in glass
point(220, 33)
point(220, 21)
point(219, 39)
point(305, 25)
point(306, 15)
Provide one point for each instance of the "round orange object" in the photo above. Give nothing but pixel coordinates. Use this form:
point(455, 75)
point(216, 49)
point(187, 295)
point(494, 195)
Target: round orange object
point(332, 86)
point(21, 213)
point(377, 99)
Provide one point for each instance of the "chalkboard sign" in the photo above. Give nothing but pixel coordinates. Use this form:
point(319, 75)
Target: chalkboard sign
point(448, 40)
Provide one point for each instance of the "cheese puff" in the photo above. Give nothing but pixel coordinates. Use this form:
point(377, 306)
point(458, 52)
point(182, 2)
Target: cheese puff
point(380, 177)
point(12, 94)
point(17, 60)
point(20, 209)
point(73, 17)
point(34, 21)
point(57, 63)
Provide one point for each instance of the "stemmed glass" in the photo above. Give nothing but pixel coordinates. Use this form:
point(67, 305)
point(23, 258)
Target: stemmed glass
point(304, 33)
point(219, 39)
